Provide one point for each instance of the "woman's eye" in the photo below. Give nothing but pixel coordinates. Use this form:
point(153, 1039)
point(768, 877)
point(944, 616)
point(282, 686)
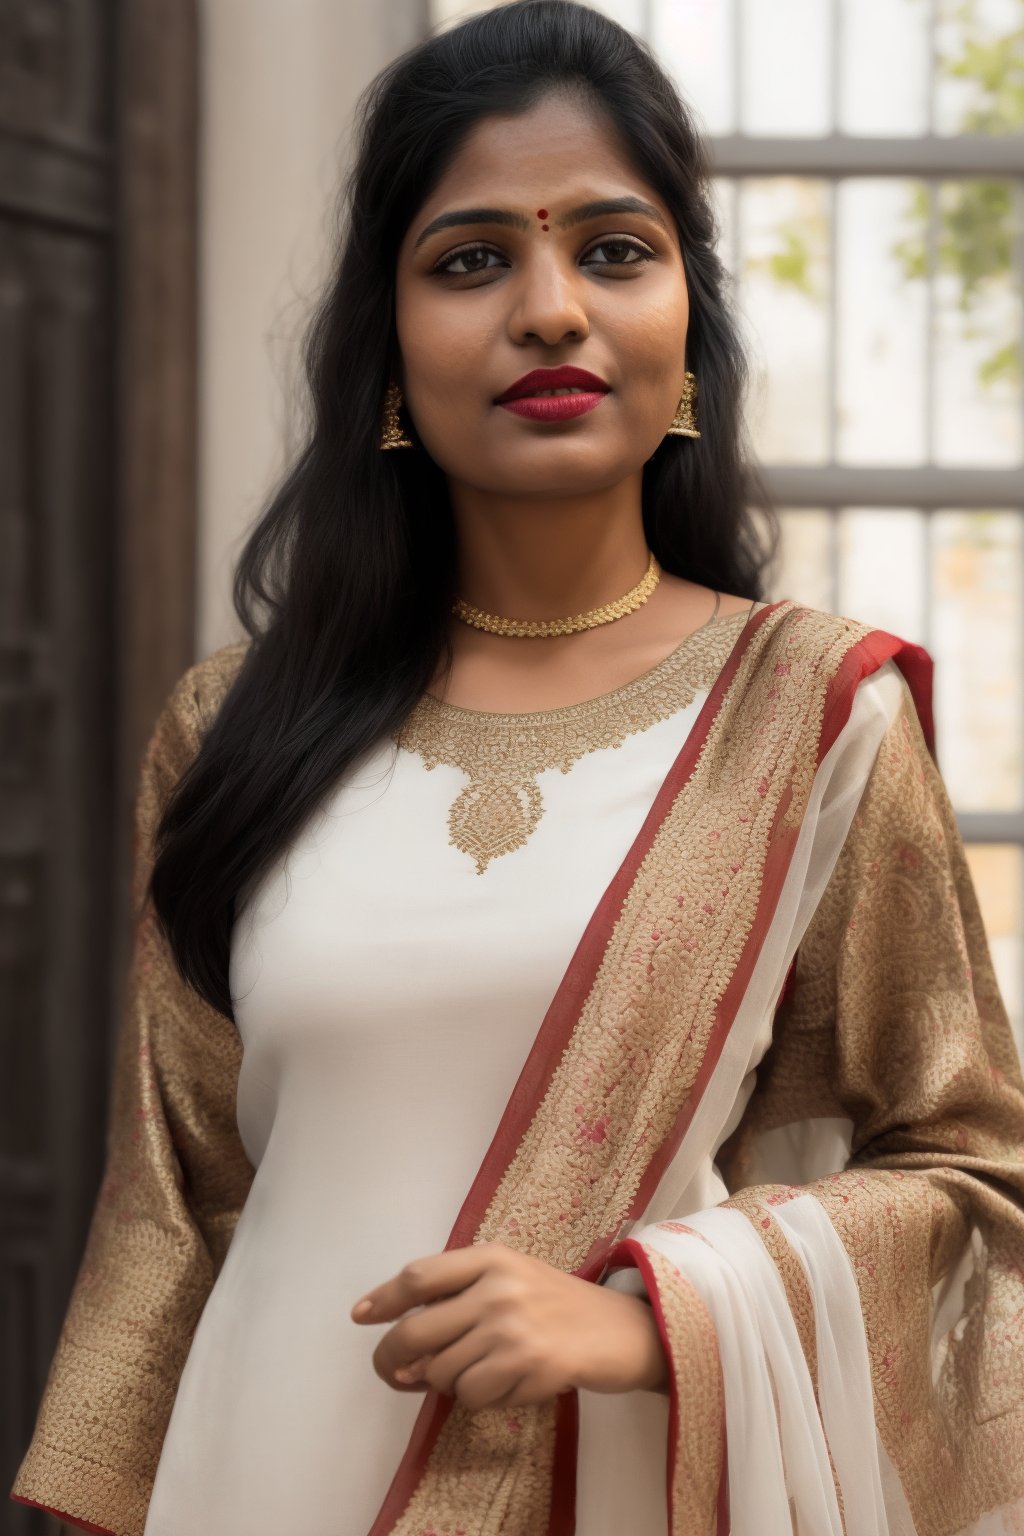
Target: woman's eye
point(467, 255)
point(621, 253)
point(622, 248)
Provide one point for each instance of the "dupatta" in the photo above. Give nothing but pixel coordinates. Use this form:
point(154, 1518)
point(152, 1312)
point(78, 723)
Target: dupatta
point(844, 1332)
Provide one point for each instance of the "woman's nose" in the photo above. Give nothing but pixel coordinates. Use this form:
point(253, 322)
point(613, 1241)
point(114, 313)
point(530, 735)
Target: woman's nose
point(548, 304)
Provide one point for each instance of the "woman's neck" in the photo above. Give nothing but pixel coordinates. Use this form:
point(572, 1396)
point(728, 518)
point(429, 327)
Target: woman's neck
point(548, 558)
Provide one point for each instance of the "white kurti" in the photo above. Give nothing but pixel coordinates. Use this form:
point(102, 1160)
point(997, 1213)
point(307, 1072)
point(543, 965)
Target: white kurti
point(387, 992)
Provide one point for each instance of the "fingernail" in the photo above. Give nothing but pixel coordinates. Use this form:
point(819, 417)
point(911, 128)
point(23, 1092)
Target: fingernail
point(361, 1308)
point(406, 1373)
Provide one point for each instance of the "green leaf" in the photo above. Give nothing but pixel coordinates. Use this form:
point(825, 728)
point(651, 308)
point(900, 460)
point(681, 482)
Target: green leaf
point(975, 218)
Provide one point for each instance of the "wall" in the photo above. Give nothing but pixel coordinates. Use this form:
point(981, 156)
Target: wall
point(278, 85)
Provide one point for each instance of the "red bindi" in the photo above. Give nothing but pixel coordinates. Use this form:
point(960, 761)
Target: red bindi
point(542, 213)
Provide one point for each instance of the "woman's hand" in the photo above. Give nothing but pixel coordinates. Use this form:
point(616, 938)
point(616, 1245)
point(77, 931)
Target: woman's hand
point(500, 1329)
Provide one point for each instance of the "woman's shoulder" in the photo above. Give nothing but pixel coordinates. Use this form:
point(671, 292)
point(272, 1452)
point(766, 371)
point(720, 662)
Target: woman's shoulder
point(190, 707)
point(178, 731)
point(833, 656)
point(819, 632)
point(202, 688)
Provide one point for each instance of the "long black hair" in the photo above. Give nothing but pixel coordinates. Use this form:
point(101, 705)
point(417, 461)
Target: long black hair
point(346, 582)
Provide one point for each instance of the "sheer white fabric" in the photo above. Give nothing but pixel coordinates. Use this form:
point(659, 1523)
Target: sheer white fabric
point(387, 997)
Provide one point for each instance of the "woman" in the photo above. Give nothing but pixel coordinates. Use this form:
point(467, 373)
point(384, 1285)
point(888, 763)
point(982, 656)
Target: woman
point(628, 1130)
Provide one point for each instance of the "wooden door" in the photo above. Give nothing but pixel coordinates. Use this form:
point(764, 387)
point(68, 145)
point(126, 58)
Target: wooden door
point(97, 509)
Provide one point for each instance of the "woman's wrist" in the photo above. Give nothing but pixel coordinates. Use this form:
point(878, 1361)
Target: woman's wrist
point(630, 1356)
point(657, 1374)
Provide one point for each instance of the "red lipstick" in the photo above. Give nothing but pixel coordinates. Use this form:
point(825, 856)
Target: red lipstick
point(522, 399)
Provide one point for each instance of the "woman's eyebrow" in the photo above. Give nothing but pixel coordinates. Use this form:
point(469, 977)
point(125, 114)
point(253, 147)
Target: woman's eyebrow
point(579, 215)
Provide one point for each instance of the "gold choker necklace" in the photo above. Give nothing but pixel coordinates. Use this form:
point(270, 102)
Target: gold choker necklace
point(496, 625)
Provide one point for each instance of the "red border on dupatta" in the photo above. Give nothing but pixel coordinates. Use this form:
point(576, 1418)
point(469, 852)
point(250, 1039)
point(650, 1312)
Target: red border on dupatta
point(870, 653)
point(82, 1525)
point(631, 1254)
point(863, 658)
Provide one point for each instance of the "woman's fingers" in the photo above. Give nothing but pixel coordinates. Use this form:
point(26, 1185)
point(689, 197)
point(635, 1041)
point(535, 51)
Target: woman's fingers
point(501, 1328)
point(437, 1326)
point(427, 1279)
point(490, 1382)
point(425, 1333)
point(442, 1371)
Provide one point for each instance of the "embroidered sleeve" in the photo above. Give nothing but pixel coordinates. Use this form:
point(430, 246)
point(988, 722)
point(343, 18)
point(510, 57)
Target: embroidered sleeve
point(867, 1318)
point(176, 1177)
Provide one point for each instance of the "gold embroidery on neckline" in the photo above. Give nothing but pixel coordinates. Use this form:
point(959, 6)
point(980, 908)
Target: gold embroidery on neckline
point(501, 754)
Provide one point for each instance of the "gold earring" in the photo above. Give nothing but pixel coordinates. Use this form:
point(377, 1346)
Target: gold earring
point(393, 435)
point(684, 422)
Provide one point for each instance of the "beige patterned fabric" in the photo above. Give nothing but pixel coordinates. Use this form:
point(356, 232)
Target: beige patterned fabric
point(894, 1023)
point(175, 1182)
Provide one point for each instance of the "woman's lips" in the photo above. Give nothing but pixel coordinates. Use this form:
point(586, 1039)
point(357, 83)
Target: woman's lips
point(554, 407)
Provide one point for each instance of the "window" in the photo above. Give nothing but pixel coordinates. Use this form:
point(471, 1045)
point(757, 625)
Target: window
point(869, 161)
